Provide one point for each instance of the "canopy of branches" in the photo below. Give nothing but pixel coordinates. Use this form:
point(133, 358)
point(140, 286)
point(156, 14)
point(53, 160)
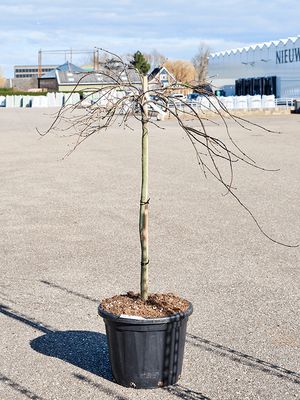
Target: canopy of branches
point(122, 100)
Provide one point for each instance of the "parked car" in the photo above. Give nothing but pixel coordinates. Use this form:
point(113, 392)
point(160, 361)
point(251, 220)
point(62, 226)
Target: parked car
point(178, 96)
point(220, 93)
point(193, 97)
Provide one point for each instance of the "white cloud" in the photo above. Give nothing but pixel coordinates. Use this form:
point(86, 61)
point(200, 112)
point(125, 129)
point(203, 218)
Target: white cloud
point(173, 27)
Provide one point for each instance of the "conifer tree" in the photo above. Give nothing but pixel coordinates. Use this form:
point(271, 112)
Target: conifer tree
point(140, 63)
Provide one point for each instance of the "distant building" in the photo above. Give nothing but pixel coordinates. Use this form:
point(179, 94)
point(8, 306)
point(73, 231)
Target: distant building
point(68, 77)
point(24, 83)
point(50, 80)
point(31, 71)
point(264, 69)
point(160, 77)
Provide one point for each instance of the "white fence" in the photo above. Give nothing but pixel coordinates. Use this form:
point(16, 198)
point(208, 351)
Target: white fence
point(202, 103)
point(214, 104)
point(50, 100)
point(234, 102)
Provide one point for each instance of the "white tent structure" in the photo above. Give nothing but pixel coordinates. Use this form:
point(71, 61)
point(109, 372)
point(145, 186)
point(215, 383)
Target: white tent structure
point(278, 59)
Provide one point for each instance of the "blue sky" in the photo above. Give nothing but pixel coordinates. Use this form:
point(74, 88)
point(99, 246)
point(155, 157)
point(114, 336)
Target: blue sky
point(173, 27)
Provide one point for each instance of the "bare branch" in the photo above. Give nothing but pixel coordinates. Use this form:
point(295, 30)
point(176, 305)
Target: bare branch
point(121, 99)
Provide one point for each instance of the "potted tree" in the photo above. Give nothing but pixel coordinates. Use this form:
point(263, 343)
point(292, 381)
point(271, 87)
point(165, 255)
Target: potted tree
point(146, 332)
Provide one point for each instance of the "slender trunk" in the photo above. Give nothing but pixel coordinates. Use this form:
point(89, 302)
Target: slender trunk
point(144, 202)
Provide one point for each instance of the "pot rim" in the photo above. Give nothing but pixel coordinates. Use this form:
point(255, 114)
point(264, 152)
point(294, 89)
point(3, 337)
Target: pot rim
point(131, 319)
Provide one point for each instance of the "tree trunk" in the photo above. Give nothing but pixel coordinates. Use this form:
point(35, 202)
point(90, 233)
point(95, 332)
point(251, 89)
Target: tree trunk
point(144, 202)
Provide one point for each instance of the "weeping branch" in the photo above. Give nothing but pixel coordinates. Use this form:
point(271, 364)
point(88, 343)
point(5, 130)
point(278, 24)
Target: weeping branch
point(125, 97)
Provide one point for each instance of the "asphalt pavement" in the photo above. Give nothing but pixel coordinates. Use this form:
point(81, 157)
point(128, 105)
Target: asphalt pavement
point(69, 237)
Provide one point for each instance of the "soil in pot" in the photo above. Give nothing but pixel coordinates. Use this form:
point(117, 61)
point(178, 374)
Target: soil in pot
point(158, 305)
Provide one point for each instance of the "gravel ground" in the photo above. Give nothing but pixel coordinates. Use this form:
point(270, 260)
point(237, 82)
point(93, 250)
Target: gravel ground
point(69, 237)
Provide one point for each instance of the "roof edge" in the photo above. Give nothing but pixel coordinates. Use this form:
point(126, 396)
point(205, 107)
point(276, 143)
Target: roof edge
point(293, 39)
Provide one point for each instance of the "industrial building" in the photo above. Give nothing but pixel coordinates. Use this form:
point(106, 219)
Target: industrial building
point(269, 68)
point(31, 71)
point(25, 76)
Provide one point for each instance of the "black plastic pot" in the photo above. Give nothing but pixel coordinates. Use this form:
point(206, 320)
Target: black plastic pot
point(146, 353)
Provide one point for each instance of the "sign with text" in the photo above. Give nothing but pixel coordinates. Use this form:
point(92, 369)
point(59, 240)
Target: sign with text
point(288, 56)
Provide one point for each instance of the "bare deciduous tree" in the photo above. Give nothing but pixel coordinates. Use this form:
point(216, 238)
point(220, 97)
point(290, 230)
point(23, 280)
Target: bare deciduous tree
point(200, 62)
point(155, 58)
point(183, 71)
point(2, 78)
point(125, 97)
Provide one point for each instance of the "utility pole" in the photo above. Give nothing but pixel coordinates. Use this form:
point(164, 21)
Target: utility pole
point(40, 63)
point(96, 59)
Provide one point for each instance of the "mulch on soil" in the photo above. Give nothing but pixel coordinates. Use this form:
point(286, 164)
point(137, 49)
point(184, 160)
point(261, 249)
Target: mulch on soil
point(158, 305)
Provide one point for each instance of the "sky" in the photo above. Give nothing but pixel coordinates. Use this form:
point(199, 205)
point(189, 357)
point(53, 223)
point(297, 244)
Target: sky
point(175, 28)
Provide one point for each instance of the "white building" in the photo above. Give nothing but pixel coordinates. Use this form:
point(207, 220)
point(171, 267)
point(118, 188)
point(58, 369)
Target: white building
point(264, 68)
point(31, 71)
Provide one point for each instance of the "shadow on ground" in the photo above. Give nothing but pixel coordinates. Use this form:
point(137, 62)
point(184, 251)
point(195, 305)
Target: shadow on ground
point(242, 358)
point(84, 349)
point(186, 393)
point(69, 291)
point(216, 348)
point(19, 388)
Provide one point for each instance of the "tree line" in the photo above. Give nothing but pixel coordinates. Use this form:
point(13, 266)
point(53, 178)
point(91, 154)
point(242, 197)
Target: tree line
point(194, 70)
point(184, 71)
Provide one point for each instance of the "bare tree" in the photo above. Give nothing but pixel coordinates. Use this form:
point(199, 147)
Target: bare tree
point(200, 62)
point(183, 71)
point(125, 97)
point(2, 78)
point(155, 58)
